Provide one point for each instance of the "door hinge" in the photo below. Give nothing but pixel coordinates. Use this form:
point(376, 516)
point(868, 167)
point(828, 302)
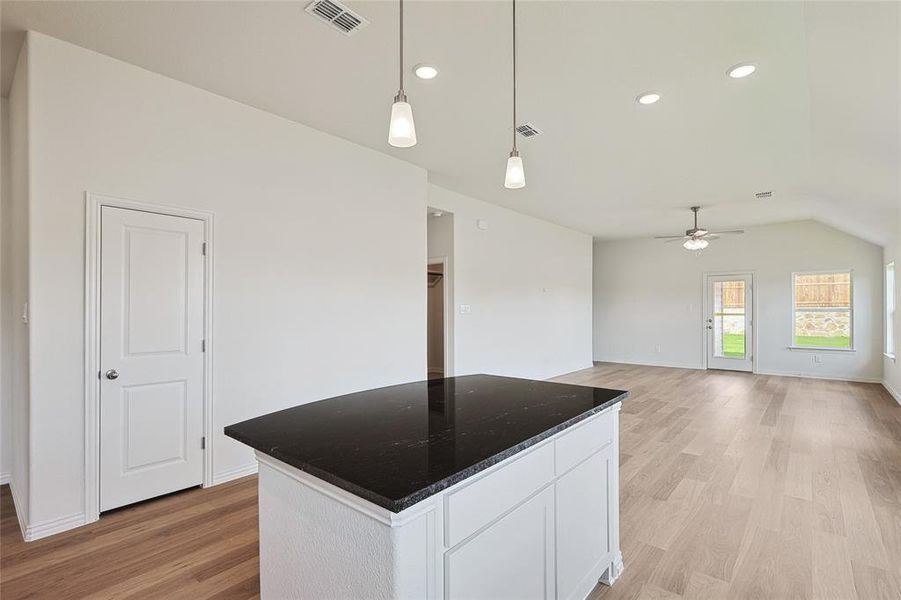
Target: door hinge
point(203, 443)
point(203, 345)
point(203, 248)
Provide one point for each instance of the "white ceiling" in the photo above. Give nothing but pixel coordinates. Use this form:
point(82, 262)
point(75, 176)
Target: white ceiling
point(818, 123)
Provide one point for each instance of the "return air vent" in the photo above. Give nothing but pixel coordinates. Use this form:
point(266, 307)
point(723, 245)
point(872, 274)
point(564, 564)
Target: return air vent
point(764, 195)
point(527, 130)
point(337, 16)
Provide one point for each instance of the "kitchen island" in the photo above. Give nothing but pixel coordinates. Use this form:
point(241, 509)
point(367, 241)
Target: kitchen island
point(465, 487)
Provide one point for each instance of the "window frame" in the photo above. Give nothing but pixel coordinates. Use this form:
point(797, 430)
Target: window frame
point(794, 310)
point(890, 308)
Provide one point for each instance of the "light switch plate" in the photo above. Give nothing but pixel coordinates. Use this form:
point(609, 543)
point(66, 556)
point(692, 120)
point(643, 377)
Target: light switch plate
point(465, 309)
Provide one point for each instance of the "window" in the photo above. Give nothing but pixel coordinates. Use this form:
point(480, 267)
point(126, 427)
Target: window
point(890, 309)
point(823, 315)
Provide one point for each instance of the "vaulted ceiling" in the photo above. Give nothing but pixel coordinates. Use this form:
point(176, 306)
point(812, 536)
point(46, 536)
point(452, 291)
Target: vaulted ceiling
point(818, 124)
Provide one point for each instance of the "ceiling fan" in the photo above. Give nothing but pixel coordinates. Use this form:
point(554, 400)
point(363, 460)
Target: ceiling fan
point(696, 238)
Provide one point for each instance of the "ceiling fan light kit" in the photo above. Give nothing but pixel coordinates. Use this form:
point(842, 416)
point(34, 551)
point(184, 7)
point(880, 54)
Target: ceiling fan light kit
point(695, 244)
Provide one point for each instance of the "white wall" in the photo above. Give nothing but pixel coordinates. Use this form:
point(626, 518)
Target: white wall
point(647, 293)
point(5, 298)
point(306, 224)
point(528, 284)
point(15, 282)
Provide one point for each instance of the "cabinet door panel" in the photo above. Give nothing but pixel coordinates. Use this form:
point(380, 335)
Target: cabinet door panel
point(583, 541)
point(513, 558)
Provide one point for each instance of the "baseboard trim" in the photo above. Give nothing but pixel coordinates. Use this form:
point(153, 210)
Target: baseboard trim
point(54, 526)
point(653, 364)
point(892, 391)
point(235, 473)
point(588, 366)
point(17, 505)
point(823, 377)
point(4, 478)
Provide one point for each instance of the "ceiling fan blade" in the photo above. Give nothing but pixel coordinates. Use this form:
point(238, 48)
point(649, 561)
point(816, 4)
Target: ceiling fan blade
point(670, 237)
point(727, 232)
point(711, 236)
point(679, 239)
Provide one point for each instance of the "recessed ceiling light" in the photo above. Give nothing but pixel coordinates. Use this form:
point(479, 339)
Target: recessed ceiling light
point(424, 71)
point(742, 70)
point(648, 98)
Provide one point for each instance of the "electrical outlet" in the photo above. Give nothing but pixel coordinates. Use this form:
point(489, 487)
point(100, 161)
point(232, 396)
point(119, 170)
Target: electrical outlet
point(657, 348)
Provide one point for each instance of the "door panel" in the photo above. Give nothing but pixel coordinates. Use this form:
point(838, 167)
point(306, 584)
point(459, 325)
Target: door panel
point(513, 558)
point(156, 307)
point(583, 540)
point(728, 322)
point(151, 332)
point(154, 425)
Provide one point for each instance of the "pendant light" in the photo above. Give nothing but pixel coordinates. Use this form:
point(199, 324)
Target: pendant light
point(516, 175)
point(401, 130)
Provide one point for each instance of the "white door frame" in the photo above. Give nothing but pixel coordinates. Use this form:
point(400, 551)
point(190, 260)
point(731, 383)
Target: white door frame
point(442, 260)
point(706, 309)
point(93, 204)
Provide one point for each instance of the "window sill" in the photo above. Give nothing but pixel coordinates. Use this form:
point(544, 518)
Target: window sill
point(818, 349)
point(887, 355)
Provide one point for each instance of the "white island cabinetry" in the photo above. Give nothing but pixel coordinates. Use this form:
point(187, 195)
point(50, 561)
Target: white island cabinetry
point(543, 523)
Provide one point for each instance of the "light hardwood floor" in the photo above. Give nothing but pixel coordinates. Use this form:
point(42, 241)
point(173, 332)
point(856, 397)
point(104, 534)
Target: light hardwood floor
point(733, 486)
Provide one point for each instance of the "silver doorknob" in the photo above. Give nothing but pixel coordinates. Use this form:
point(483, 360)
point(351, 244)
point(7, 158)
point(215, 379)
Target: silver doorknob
point(112, 374)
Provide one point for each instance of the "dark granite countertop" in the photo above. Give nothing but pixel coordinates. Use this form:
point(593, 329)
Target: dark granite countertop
point(398, 445)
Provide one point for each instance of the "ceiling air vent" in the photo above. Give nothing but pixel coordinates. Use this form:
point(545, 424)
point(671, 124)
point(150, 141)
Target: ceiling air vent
point(527, 130)
point(763, 195)
point(337, 16)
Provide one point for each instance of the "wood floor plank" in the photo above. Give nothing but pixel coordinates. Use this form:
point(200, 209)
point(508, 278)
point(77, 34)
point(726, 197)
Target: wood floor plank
point(874, 583)
point(733, 485)
point(795, 569)
point(831, 565)
point(755, 578)
point(704, 587)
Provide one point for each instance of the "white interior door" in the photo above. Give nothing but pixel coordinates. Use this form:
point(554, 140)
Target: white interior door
point(728, 322)
point(151, 337)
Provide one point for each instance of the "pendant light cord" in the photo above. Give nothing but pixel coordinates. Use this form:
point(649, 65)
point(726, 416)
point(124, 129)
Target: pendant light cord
point(401, 70)
point(514, 75)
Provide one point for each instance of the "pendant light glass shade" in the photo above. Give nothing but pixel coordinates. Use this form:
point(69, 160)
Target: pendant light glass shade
point(401, 130)
point(695, 244)
point(516, 175)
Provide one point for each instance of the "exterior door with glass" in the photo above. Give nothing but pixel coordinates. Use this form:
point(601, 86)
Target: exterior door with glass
point(728, 322)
